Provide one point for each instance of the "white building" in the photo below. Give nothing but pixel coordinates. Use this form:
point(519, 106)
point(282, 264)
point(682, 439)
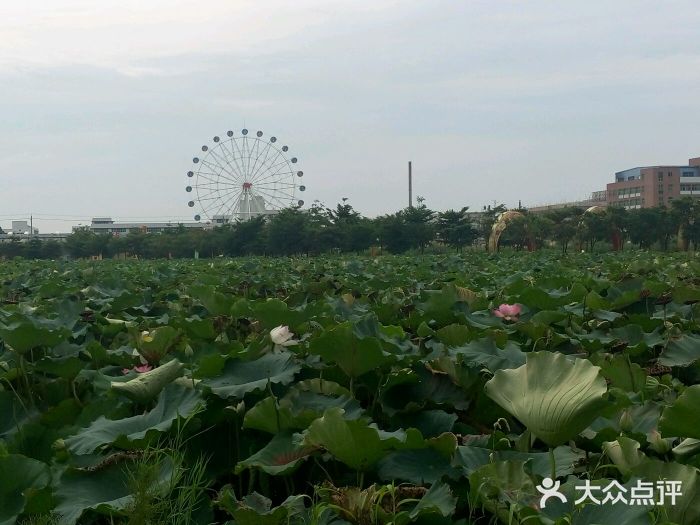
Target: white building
point(107, 225)
point(22, 228)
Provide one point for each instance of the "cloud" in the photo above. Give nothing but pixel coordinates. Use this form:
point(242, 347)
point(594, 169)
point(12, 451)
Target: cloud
point(105, 103)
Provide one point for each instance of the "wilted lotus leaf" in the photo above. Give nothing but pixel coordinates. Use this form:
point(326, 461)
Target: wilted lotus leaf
point(553, 397)
point(145, 387)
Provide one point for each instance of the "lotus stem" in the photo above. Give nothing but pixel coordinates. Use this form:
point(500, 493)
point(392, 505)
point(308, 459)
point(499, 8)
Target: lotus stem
point(553, 464)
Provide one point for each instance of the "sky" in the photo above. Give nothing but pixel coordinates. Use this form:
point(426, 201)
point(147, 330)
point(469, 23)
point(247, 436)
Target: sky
point(104, 103)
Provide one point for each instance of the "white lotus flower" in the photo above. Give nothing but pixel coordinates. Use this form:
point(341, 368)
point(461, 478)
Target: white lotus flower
point(282, 336)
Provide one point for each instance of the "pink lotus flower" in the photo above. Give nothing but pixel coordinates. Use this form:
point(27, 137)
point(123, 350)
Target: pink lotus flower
point(138, 369)
point(508, 312)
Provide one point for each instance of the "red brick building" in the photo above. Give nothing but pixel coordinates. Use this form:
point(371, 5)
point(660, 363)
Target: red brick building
point(650, 186)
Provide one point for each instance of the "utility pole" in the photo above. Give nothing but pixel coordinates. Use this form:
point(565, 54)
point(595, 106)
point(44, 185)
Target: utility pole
point(31, 225)
point(410, 186)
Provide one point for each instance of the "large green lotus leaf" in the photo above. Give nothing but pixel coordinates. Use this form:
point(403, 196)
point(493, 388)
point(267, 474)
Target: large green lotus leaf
point(553, 397)
point(215, 302)
point(470, 458)
point(454, 334)
point(419, 466)
point(354, 443)
point(159, 342)
point(682, 419)
point(175, 401)
point(438, 500)
point(256, 509)
point(431, 423)
point(25, 332)
point(539, 299)
point(274, 312)
point(354, 355)
point(65, 367)
point(19, 478)
point(104, 490)
point(241, 377)
point(301, 405)
point(682, 294)
point(624, 453)
point(12, 414)
point(681, 351)
point(441, 305)
point(503, 486)
point(197, 328)
point(686, 510)
point(409, 390)
point(280, 456)
point(485, 353)
point(622, 373)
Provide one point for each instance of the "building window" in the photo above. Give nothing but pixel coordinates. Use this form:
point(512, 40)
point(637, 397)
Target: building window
point(661, 175)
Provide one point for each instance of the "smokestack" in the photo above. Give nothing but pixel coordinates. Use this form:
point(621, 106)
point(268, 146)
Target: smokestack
point(410, 186)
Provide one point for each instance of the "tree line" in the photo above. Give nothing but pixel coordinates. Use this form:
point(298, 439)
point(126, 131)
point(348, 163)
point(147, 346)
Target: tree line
point(343, 230)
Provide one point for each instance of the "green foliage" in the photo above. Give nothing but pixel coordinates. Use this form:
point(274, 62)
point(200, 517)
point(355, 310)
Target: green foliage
point(554, 398)
point(321, 230)
point(404, 400)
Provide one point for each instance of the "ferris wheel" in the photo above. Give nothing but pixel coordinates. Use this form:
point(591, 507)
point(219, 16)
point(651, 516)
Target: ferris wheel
point(239, 177)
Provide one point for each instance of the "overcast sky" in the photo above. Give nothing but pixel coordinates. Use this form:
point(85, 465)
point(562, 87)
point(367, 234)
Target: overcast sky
point(104, 103)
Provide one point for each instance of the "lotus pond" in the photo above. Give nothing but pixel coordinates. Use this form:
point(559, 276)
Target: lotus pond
point(434, 389)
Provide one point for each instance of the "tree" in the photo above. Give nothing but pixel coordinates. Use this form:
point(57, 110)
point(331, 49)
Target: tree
point(517, 234)
point(351, 231)
point(419, 225)
point(617, 218)
point(685, 214)
point(454, 228)
point(323, 235)
point(644, 226)
point(81, 244)
point(594, 227)
point(565, 224)
point(540, 229)
point(246, 237)
point(288, 232)
point(392, 233)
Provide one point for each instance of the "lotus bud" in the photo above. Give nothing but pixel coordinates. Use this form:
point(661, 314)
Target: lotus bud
point(188, 351)
point(657, 443)
point(626, 421)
